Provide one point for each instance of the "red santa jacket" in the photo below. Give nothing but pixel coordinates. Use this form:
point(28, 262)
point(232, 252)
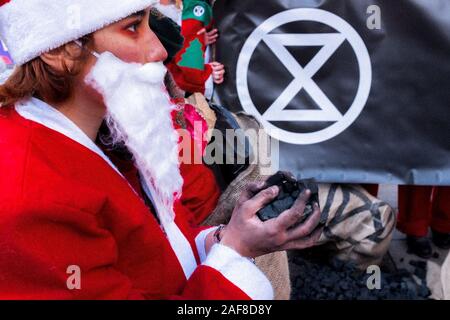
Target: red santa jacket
point(63, 203)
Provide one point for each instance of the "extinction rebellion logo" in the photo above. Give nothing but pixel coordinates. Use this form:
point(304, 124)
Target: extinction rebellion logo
point(329, 42)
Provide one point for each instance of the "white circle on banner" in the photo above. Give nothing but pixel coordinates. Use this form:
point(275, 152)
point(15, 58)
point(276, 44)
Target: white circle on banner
point(303, 75)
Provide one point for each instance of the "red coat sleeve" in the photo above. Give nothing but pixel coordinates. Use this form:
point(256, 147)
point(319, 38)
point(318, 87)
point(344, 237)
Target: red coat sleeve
point(37, 246)
point(200, 192)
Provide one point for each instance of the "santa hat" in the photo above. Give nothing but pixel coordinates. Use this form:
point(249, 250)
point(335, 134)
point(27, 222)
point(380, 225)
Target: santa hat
point(32, 27)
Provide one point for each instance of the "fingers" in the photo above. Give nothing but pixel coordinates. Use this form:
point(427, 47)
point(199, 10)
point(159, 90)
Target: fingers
point(259, 201)
point(218, 70)
point(306, 228)
point(290, 217)
point(304, 243)
point(213, 33)
point(212, 36)
point(202, 31)
point(218, 76)
point(217, 66)
point(210, 41)
point(250, 190)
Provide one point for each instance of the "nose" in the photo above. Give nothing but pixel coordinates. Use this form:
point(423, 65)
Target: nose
point(155, 50)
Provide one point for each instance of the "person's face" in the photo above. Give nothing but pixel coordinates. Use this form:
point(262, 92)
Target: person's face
point(130, 39)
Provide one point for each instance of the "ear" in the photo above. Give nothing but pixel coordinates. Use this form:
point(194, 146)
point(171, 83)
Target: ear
point(62, 57)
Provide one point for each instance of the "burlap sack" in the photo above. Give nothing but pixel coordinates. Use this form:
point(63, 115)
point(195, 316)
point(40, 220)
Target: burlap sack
point(275, 266)
point(359, 226)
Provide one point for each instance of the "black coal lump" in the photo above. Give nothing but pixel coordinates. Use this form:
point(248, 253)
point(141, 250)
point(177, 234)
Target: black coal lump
point(289, 190)
point(283, 204)
point(267, 213)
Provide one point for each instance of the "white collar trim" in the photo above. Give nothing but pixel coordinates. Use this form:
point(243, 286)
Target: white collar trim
point(38, 111)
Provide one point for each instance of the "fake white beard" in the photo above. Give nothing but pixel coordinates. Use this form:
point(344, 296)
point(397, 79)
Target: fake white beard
point(139, 115)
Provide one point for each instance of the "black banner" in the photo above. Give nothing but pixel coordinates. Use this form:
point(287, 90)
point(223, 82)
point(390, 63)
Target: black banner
point(355, 90)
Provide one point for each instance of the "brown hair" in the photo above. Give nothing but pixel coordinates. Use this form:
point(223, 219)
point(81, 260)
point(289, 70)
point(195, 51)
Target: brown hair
point(37, 78)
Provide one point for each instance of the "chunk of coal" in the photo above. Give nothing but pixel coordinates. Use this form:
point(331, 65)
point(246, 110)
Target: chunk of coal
point(296, 193)
point(267, 213)
point(314, 198)
point(283, 195)
point(283, 204)
point(290, 189)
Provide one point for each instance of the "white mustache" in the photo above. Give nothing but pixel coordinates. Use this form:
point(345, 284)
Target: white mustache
point(151, 73)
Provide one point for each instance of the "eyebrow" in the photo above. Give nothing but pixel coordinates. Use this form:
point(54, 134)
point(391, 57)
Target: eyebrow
point(134, 16)
point(139, 14)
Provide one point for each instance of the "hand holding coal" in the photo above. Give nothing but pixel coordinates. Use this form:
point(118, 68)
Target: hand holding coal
point(289, 191)
point(251, 237)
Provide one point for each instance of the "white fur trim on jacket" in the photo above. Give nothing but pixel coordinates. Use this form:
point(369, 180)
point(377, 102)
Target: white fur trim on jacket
point(240, 271)
point(200, 242)
point(32, 27)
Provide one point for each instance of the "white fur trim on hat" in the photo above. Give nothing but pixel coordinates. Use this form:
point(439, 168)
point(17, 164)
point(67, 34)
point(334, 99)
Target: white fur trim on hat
point(2, 66)
point(32, 27)
point(170, 11)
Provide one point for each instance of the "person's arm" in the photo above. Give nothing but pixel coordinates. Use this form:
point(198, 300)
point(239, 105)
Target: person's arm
point(250, 237)
point(246, 237)
point(227, 275)
point(39, 245)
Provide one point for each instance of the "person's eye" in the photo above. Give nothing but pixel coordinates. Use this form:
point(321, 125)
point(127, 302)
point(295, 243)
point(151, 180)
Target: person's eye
point(134, 27)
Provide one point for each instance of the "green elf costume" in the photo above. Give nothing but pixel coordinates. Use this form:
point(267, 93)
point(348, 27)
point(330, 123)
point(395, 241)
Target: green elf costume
point(188, 68)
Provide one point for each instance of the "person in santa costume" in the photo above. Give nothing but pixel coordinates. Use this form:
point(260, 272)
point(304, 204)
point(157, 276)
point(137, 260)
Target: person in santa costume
point(419, 209)
point(422, 208)
point(71, 208)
